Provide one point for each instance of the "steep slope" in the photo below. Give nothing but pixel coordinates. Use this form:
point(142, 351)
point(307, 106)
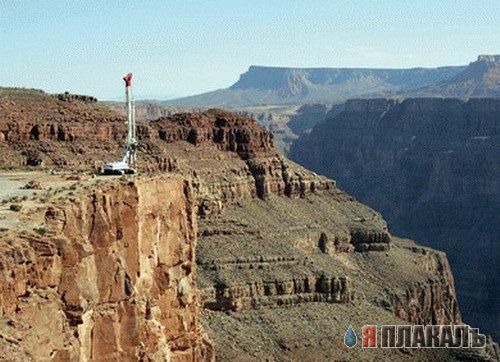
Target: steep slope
point(274, 85)
point(480, 79)
point(307, 117)
point(101, 272)
point(285, 259)
point(432, 167)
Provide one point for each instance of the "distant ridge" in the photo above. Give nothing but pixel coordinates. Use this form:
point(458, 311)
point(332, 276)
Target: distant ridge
point(262, 85)
point(480, 79)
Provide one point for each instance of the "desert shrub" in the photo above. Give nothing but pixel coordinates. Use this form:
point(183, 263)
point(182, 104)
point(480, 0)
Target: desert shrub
point(40, 231)
point(15, 207)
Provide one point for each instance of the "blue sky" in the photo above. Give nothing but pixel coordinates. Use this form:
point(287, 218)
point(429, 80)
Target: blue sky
point(178, 48)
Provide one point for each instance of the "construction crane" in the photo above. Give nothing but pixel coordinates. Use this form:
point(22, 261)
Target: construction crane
point(126, 164)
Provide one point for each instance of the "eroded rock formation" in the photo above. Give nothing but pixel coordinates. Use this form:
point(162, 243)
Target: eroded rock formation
point(112, 278)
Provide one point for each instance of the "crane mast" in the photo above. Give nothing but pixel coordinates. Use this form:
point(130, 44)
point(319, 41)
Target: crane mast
point(131, 143)
point(125, 165)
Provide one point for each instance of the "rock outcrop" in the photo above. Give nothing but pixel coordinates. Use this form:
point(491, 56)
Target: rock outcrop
point(68, 97)
point(432, 301)
point(111, 278)
point(278, 293)
point(228, 131)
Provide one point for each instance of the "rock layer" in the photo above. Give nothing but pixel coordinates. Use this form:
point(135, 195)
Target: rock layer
point(279, 293)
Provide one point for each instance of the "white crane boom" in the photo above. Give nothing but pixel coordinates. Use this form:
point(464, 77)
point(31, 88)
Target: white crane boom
point(130, 149)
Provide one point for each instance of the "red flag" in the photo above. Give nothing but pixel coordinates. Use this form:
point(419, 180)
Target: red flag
point(128, 80)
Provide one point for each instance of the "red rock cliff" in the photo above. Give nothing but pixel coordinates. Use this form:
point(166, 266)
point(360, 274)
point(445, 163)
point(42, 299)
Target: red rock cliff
point(113, 278)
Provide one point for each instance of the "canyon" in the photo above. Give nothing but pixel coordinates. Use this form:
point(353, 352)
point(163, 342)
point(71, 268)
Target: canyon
point(291, 101)
point(431, 167)
point(220, 248)
point(267, 86)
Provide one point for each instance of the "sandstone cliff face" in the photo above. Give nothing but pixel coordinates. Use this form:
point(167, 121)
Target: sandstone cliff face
point(432, 301)
point(430, 166)
point(113, 278)
point(181, 143)
point(228, 131)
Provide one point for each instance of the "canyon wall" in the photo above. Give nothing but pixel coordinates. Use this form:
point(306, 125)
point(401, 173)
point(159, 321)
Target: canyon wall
point(431, 166)
point(111, 278)
point(77, 133)
point(35, 138)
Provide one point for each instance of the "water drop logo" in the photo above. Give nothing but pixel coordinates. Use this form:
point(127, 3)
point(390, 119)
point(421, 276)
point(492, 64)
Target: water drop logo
point(350, 338)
